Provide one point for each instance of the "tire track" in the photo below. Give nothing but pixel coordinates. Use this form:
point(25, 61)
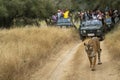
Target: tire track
point(54, 69)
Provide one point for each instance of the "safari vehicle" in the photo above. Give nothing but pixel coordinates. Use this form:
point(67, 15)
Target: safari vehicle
point(91, 28)
point(65, 22)
point(109, 24)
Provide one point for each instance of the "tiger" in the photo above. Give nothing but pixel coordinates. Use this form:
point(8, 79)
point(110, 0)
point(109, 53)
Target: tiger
point(93, 49)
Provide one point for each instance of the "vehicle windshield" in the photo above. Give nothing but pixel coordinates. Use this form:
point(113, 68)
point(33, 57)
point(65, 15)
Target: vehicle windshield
point(92, 23)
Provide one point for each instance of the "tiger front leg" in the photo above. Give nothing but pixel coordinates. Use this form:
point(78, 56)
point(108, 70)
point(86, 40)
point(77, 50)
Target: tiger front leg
point(90, 59)
point(93, 63)
point(99, 58)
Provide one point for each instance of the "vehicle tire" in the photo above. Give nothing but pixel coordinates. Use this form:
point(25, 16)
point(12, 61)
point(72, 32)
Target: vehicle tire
point(102, 38)
point(82, 38)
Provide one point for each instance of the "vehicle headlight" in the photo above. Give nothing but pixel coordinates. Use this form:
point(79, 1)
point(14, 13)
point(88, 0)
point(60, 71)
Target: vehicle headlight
point(98, 30)
point(84, 31)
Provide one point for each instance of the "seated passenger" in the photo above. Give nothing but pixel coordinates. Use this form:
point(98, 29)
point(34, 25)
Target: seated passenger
point(54, 18)
point(66, 14)
point(94, 16)
point(100, 15)
point(59, 14)
point(107, 15)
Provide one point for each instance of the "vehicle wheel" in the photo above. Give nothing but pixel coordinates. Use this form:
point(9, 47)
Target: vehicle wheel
point(82, 38)
point(102, 38)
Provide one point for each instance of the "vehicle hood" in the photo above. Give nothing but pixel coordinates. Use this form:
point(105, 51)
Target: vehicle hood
point(90, 27)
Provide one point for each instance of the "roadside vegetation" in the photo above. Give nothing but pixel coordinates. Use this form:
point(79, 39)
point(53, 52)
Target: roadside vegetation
point(23, 49)
point(113, 42)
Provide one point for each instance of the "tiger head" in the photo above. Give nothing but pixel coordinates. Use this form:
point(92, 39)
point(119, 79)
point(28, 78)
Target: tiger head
point(89, 49)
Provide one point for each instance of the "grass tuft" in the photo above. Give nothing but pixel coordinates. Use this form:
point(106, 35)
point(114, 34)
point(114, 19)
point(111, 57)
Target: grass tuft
point(22, 49)
point(113, 42)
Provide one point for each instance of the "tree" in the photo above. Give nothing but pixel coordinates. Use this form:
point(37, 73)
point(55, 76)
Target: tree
point(43, 9)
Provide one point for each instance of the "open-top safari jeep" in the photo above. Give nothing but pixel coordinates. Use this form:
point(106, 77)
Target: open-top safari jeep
point(91, 28)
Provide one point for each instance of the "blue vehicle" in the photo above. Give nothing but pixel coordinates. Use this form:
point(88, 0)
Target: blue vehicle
point(64, 22)
point(109, 23)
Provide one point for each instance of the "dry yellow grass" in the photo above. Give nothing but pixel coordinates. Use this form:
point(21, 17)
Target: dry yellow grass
point(22, 49)
point(113, 42)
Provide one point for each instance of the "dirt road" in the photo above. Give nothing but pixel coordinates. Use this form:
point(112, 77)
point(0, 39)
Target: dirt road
point(73, 64)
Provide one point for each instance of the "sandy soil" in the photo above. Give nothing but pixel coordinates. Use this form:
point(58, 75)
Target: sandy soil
point(72, 63)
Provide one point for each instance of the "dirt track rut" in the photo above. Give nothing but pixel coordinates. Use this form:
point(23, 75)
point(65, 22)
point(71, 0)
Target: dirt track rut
point(73, 64)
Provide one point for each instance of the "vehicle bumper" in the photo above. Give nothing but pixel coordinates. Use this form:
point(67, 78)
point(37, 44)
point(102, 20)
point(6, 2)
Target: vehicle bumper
point(92, 34)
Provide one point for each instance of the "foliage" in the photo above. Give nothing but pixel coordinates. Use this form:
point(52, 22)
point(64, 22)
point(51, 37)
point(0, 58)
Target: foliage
point(43, 9)
point(30, 9)
point(90, 4)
